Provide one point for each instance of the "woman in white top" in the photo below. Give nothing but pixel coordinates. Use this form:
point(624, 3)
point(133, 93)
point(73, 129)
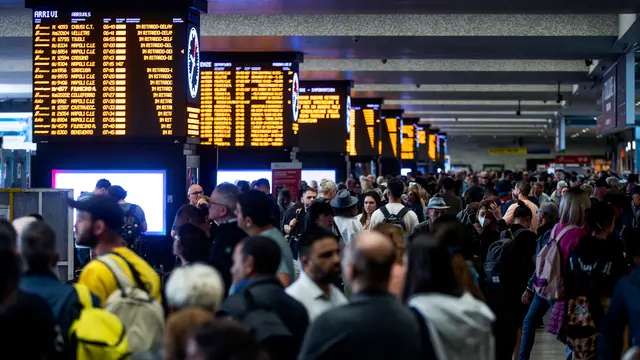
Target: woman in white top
point(371, 203)
point(346, 224)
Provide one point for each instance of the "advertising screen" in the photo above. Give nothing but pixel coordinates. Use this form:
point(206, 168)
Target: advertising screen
point(232, 176)
point(15, 130)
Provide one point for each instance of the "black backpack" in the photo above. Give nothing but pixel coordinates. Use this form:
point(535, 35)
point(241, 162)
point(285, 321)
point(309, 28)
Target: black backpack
point(131, 230)
point(395, 219)
point(494, 264)
point(266, 328)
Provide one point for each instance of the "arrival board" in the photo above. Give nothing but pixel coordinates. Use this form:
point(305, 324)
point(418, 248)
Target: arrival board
point(364, 127)
point(115, 75)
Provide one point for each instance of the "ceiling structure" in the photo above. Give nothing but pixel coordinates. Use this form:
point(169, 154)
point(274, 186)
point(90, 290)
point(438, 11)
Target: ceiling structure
point(465, 66)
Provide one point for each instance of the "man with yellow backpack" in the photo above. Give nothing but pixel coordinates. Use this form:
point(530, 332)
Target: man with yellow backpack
point(87, 331)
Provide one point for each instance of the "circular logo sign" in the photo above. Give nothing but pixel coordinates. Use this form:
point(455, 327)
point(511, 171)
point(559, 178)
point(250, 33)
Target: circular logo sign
point(193, 63)
point(295, 97)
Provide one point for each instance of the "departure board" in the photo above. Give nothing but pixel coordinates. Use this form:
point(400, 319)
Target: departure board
point(364, 127)
point(323, 123)
point(433, 147)
point(390, 133)
point(408, 142)
point(115, 75)
point(248, 103)
point(422, 148)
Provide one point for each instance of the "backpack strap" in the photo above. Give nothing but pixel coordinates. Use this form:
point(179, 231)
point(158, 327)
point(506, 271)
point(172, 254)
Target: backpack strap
point(84, 296)
point(518, 232)
point(563, 232)
point(385, 211)
point(405, 210)
point(121, 277)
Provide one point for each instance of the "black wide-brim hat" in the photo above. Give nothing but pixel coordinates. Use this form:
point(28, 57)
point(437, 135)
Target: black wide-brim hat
point(344, 200)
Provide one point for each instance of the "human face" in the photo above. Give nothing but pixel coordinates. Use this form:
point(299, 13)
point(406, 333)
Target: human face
point(241, 267)
point(559, 175)
point(564, 191)
point(636, 199)
point(88, 231)
point(264, 189)
point(538, 188)
point(308, 198)
point(323, 264)
point(369, 204)
point(325, 221)
point(357, 188)
point(100, 191)
point(217, 210)
point(195, 191)
point(435, 214)
point(243, 223)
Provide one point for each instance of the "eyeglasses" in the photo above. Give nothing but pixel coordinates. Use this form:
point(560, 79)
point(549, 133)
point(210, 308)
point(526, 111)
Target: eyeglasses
point(196, 193)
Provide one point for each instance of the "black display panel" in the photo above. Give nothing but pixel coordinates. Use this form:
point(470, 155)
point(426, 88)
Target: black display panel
point(389, 146)
point(248, 101)
point(324, 110)
point(108, 74)
point(364, 127)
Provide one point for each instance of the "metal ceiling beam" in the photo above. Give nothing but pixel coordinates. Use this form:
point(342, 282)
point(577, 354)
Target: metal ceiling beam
point(461, 88)
point(444, 65)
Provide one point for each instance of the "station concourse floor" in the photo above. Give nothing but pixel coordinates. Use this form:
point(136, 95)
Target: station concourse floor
point(547, 347)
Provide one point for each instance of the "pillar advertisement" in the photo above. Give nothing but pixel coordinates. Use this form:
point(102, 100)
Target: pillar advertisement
point(287, 175)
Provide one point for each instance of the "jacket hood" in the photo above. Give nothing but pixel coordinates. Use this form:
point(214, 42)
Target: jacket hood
point(460, 322)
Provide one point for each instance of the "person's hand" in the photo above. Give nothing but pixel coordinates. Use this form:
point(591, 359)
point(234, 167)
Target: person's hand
point(293, 222)
point(527, 296)
point(495, 210)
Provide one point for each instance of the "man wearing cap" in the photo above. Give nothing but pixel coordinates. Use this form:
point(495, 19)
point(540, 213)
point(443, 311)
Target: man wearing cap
point(98, 224)
point(435, 209)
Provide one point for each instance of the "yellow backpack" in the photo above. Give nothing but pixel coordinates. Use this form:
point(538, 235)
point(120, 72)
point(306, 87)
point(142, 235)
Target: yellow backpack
point(97, 334)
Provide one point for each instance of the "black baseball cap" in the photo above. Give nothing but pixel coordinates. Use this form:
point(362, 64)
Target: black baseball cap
point(101, 207)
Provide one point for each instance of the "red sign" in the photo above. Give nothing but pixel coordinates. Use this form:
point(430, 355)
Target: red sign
point(287, 175)
point(573, 159)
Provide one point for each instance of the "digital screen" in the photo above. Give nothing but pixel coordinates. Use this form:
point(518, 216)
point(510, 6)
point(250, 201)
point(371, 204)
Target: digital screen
point(233, 176)
point(442, 146)
point(390, 137)
point(114, 74)
point(324, 121)
point(433, 147)
point(146, 189)
point(15, 130)
point(247, 103)
point(408, 142)
point(422, 136)
point(364, 133)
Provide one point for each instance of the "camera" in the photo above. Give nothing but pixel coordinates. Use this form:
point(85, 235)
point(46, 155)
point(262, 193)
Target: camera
point(355, 39)
point(384, 61)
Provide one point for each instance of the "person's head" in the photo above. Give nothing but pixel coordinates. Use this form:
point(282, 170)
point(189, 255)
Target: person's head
point(573, 206)
point(521, 190)
point(508, 175)
point(429, 269)
point(99, 221)
point(448, 184)
point(395, 234)
point(615, 199)
point(191, 244)
point(395, 189)
point(474, 194)
point(371, 202)
point(196, 285)
point(328, 189)
point(20, 224)
point(263, 185)
point(320, 214)
point(357, 188)
point(538, 188)
point(522, 215)
point(243, 186)
point(561, 185)
point(255, 256)
point(600, 219)
point(587, 189)
point(320, 256)
point(38, 247)
point(632, 354)
point(547, 213)
point(284, 196)
point(253, 212)
point(560, 175)
point(380, 180)
point(223, 339)
point(414, 198)
point(635, 195)
point(613, 182)
point(309, 195)
point(344, 204)
point(313, 184)
point(436, 208)
point(367, 262)
point(102, 186)
point(117, 192)
point(492, 194)
point(179, 325)
point(485, 215)
point(223, 202)
point(193, 193)
point(189, 214)
point(371, 178)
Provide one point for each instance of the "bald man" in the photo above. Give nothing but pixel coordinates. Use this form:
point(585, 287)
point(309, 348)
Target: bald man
point(374, 325)
point(194, 192)
point(632, 354)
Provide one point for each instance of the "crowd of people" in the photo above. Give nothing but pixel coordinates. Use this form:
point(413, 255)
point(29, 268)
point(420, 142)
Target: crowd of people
point(447, 267)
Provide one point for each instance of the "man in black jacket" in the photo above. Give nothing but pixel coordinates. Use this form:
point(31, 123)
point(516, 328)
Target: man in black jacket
point(374, 325)
point(255, 263)
point(222, 205)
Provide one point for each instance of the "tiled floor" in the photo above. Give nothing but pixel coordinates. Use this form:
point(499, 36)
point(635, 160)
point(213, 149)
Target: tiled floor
point(547, 347)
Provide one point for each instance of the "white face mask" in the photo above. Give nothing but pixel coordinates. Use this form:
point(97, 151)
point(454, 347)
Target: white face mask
point(483, 221)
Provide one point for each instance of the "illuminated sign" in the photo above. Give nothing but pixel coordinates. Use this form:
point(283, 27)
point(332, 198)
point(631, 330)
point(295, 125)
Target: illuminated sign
point(408, 142)
point(248, 103)
point(433, 145)
point(107, 74)
point(390, 137)
point(364, 132)
point(422, 136)
point(323, 123)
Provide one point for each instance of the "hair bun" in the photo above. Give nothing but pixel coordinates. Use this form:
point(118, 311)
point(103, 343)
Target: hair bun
point(521, 203)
